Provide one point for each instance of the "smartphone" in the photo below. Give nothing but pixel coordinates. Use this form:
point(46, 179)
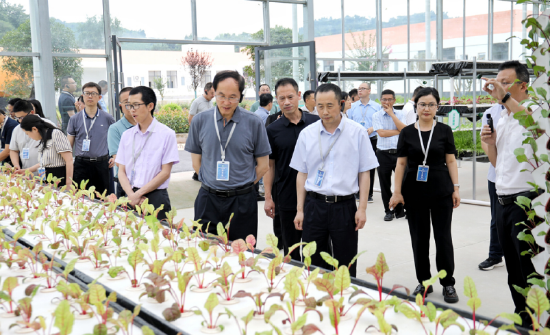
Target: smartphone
point(490, 122)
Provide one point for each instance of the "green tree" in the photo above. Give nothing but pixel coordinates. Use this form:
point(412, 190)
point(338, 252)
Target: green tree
point(63, 41)
point(11, 17)
point(159, 85)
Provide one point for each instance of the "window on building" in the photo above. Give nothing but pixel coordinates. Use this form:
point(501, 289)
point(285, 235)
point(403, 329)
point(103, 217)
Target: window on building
point(129, 81)
point(501, 51)
point(152, 76)
point(481, 56)
point(182, 81)
point(206, 78)
point(171, 79)
point(449, 53)
point(328, 65)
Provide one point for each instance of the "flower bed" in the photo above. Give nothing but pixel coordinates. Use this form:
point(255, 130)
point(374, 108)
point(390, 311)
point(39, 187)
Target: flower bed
point(174, 117)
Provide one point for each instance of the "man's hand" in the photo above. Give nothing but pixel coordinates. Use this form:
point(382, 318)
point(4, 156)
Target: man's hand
point(487, 136)
point(20, 171)
point(370, 130)
point(360, 219)
point(135, 199)
point(498, 92)
point(388, 109)
point(396, 199)
point(269, 207)
point(299, 220)
point(111, 162)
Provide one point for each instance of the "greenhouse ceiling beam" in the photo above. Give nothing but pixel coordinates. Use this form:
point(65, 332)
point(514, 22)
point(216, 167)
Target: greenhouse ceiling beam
point(155, 40)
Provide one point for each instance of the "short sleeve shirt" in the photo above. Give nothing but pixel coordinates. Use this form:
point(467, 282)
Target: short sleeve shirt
point(51, 156)
point(495, 114)
point(66, 102)
point(161, 148)
point(381, 120)
point(363, 113)
point(248, 142)
point(200, 104)
point(20, 141)
point(97, 134)
point(7, 131)
point(115, 134)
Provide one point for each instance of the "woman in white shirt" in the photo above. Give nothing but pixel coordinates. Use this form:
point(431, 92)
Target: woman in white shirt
point(56, 153)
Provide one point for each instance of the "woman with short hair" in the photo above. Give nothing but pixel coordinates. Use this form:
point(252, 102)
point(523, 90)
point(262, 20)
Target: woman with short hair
point(56, 153)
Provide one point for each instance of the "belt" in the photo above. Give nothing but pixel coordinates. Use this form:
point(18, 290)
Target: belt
point(93, 159)
point(390, 151)
point(229, 193)
point(330, 198)
point(510, 199)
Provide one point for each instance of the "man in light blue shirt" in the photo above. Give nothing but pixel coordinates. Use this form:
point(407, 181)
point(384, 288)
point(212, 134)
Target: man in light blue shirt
point(266, 102)
point(388, 124)
point(104, 91)
point(333, 157)
point(495, 250)
point(362, 111)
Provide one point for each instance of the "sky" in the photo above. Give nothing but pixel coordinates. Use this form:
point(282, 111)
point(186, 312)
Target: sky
point(171, 19)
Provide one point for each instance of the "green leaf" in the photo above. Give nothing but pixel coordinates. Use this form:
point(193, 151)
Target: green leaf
point(474, 303)
point(299, 323)
point(96, 294)
point(379, 268)
point(10, 284)
point(272, 241)
point(211, 303)
point(64, 318)
point(324, 285)
point(342, 279)
point(183, 280)
point(309, 249)
point(147, 331)
point(134, 258)
point(537, 300)
point(442, 274)
point(334, 312)
point(100, 329)
point(354, 259)
point(469, 287)
point(115, 270)
point(512, 317)
point(329, 259)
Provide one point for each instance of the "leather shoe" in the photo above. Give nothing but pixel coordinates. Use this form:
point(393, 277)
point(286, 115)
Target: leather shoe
point(400, 215)
point(420, 290)
point(449, 294)
point(388, 217)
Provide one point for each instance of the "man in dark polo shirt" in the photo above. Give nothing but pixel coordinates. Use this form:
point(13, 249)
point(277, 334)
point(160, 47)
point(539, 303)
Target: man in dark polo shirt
point(66, 101)
point(280, 180)
point(229, 149)
point(7, 125)
point(87, 131)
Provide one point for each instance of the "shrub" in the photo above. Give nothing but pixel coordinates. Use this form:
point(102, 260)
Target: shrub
point(174, 117)
point(464, 142)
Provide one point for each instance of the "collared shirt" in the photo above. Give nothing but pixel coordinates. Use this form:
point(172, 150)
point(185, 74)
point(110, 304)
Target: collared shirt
point(314, 112)
point(7, 130)
point(351, 154)
point(20, 141)
point(283, 136)
point(115, 134)
point(510, 136)
point(495, 114)
point(381, 120)
point(161, 148)
point(360, 112)
point(199, 105)
point(262, 113)
point(51, 156)
point(248, 142)
point(97, 135)
point(410, 115)
point(66, 102)
point(256, 105)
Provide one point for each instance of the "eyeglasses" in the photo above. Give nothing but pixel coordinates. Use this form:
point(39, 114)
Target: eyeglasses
point(20, 117)
point(363, 89)
point(222, 99)
point(90, 94)
point(430, 106)
point(387, 100)
point(133, 107)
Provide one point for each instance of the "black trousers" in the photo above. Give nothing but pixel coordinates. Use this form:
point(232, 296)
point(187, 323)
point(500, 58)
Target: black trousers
point(441, 212)
point(519, 267)
point(212, 208)
point(373, 141)
point(495, 250)
point(387, 163)
point(58, 172)
point(157, 198)
point(97, 174)
point(289, 232)
point(335, 222)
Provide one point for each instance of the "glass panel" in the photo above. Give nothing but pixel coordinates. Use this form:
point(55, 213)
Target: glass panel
point(502, 30)
point(286, 23)
point(76, 30)
point(166, 19)
point(520, 13)
point(288, 62)
point(93, 70)
point(249, 28)
point(360, 33)
point(16, 77)
point(476, 29)
point(419, 30)
point(328, 28)
point(453, 17)
point(15, 30)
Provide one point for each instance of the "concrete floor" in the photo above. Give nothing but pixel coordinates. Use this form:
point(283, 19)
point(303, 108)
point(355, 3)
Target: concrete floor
point(470, 241)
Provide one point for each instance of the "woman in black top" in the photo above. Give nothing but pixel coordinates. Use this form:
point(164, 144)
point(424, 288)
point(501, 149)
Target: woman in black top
point(428, 187)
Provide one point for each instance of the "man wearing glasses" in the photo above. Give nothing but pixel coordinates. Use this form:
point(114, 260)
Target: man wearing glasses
point(66, 101)
point(146, 154)
point(24, 151)
point(388, 124)
point(87, 131)
point(230, 152)
point(362, 112)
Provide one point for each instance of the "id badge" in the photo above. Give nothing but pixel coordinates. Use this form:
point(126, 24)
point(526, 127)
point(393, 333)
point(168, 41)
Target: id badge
point(319, 178)
point(222, 171)
point(25, 153)
point(42, 173)
point(86, 145)
point(362, 123)
point(422, 174)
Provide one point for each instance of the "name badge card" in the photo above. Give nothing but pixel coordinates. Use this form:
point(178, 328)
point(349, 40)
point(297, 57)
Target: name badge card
point(42, 173)
point(222, 171)
point(422, 174)
point(86, 145)
point(362, 123)
point(25, 153)
point(319, 178)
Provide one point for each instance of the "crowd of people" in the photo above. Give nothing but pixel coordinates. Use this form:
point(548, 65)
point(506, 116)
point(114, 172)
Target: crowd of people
point(317, 162)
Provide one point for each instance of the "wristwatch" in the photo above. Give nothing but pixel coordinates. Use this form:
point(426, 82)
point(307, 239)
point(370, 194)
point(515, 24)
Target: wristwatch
point(506, 97)
point(456, 185)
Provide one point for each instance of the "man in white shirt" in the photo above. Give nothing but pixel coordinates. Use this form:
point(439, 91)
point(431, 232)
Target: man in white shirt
point(202, 103)
point(408, 109)
point(512, 177)
point(309, 102)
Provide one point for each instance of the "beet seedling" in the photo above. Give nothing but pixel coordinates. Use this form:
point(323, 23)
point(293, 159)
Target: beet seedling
point(257, 298)
point(225, 283)
point(63, 319)
point(8, 286)
point(198, 263)
point(24, 308)
point(210, 322)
